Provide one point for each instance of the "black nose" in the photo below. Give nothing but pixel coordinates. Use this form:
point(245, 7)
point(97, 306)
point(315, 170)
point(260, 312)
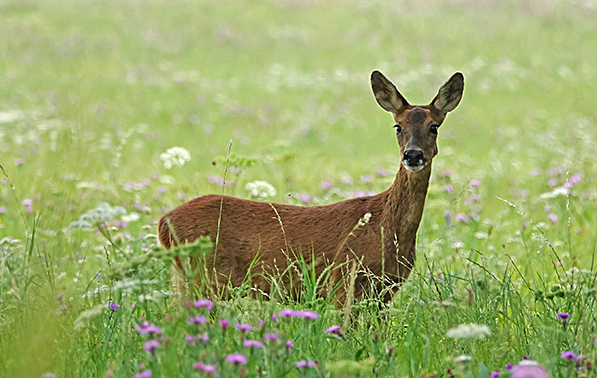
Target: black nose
point(414, 157)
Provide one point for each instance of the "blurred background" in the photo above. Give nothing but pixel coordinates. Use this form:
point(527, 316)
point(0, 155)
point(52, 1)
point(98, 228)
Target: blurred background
point(93, 92)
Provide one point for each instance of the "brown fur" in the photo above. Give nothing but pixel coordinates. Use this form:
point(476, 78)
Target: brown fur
point(274, 234)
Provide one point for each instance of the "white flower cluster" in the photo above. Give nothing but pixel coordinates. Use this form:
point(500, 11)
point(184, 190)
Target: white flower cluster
point(175, 156)
point(469, 331)
point(260, 189)
point(102, 213)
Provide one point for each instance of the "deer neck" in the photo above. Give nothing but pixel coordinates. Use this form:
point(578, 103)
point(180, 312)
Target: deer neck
point(402, 212)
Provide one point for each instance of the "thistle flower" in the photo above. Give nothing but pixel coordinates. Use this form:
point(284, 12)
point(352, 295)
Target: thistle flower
point(175, 156)
point(151, 346)
point(564, 316)
point(568, 355)
point(236, 358)
point(112, 306)
point(287, 313)
point(304, 364)
point(270, 337)
point(197, 320)
point(307, 315)
point(333, 329)
point(528, 369)
point(143, 374)
point(145, 328)
point(252, 344)
point(474, 183)
point(204, 303)
point(243, 327)
point(495, 374)
point(224, 323)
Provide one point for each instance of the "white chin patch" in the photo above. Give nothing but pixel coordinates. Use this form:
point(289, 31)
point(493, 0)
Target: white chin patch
point(414, 168)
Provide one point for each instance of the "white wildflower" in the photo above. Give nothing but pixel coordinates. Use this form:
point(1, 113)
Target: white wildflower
point(102, 213)
point(469, 331)
point(561, 191)
point(175, 156)
point(463, 358)
point(260, 189)
point(132, 217)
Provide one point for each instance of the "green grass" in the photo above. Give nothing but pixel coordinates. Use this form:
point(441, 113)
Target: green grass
point(91, 93)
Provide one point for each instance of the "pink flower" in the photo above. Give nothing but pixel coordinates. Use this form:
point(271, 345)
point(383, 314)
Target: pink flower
point(552, 217)
point(460, 217)
point(474, 183)
point(151, 346)
point(449, 188)
point(236, 358)
point(204, 303)
point(332, 329)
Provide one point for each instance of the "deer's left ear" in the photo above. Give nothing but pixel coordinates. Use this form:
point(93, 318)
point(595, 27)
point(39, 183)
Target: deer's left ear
point(449, 94)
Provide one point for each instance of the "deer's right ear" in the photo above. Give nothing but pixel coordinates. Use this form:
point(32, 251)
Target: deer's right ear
point(386, 94)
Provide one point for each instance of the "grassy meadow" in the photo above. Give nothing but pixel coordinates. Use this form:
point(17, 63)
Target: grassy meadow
point(93, 92)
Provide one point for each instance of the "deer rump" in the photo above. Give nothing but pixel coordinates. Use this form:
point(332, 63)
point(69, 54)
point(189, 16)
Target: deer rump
point(265, 238)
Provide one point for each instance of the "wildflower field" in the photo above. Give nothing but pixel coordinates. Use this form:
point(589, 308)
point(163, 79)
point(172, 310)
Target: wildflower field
point(114, 112)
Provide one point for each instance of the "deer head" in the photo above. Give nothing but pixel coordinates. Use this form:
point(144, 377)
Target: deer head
point(416, 126)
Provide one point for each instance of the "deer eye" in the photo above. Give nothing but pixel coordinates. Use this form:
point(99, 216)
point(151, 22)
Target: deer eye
point(433, 129)
point(398, 129)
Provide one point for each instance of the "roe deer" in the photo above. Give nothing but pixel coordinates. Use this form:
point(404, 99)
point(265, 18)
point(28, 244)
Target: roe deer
point(273, 234)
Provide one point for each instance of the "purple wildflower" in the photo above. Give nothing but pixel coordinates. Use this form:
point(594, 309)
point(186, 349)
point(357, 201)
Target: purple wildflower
point(332, 329)
point(528, 369)
point(552, 217)
point(274, 318)
point(2, 209)
point(189, 339)
point(205, 367)
point(197, 320)
point(346, 180)
point(568, 355)
point(304, 364)
point(204, 303)
point(495, 374)
point(19, 161)
point(143, 374)
point(460, 217)
point(580, 357)
point(381, 172)
point(326, 185)
point(236, 358)
point(555, 171)
point(151, 346)
point(509, 367)
point(305, 198)
point(112, 306)
point(366, 178)
point(449, 188)
point(474, 183)
point(289, 344)
point(448, 216)
point(307, 314)
point(270, 337)
point(252, 344)
point(287, 313)
point(564, 316)
point(145, 328)
point(243, 327)
point(203, 338)
point(224, 323)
